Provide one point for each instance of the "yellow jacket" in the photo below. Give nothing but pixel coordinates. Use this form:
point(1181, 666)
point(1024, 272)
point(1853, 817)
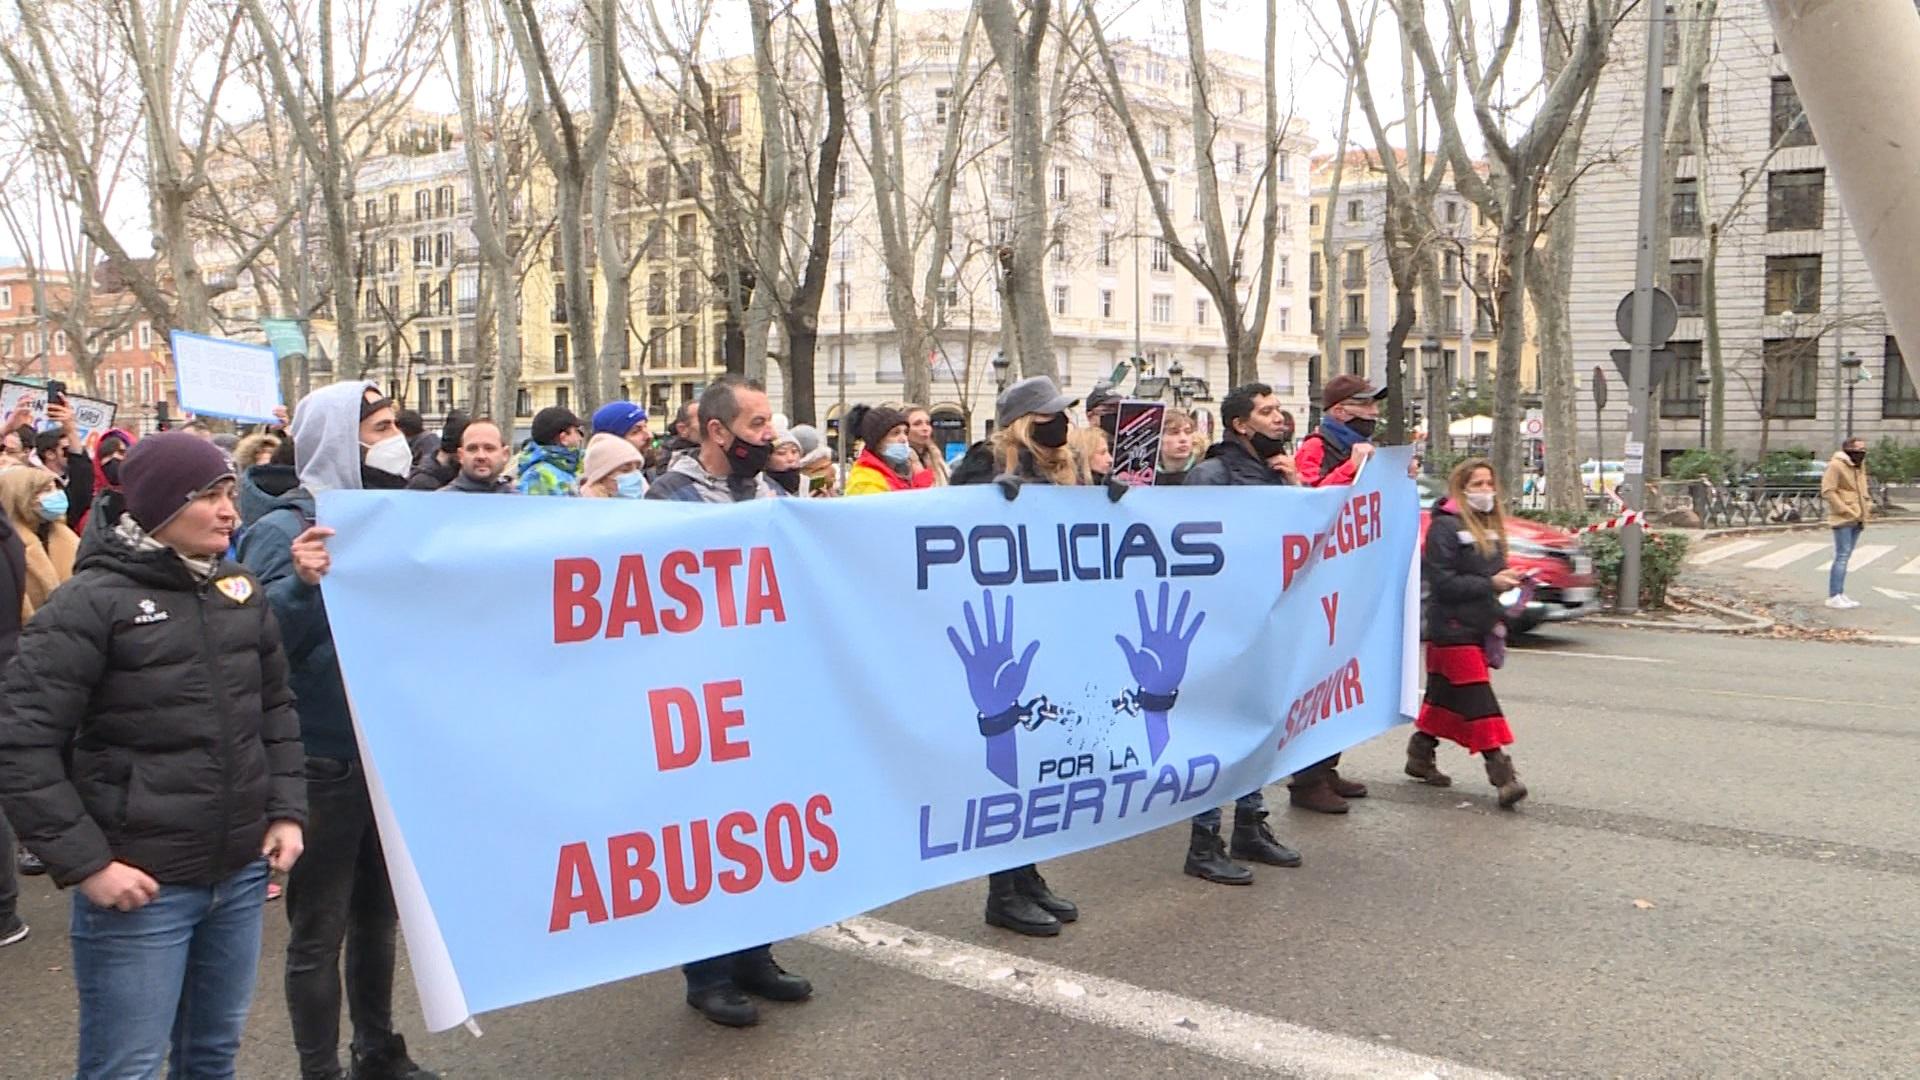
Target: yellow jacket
point(1844, 487)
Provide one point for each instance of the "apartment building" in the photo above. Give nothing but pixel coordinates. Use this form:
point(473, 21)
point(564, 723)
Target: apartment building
point(1804, 337)
point(1113, 287)
point(131, 366)
point(1350, 283)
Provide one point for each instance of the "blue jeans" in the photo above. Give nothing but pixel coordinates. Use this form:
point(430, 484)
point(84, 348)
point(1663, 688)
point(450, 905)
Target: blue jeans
point(170, 981)
point(1251, 803)
point(1844, 537)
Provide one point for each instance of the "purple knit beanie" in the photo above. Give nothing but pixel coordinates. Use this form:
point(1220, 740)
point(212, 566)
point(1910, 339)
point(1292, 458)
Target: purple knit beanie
point(163, 473)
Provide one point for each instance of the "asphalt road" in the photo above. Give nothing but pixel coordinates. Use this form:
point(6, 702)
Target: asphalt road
point(1717, 875)
point(1786, 570)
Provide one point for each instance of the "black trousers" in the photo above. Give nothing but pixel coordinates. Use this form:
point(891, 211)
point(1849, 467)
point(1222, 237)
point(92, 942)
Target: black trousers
point(337, 894)
point(9, 872)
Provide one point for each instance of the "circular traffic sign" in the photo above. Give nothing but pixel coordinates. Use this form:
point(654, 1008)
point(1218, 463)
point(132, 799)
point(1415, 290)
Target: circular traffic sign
point(1666, 317)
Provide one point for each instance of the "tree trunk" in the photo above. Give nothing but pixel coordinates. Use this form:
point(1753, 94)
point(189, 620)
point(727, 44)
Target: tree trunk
point(1022, 260)
point(1516, 246)
point(1716, 362)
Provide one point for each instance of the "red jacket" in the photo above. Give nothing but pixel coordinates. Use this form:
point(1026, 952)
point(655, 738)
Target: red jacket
point(870, 473)
point(1311, 460)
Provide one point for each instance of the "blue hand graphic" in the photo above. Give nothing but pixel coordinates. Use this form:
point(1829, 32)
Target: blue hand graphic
point(1160, 661)
point(995, 679)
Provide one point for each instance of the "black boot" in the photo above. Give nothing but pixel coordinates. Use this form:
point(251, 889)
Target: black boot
point(1254, 842)
point(1034, 887)
point(1501, 775)
point(1010, 909)
point(724, 1004)
point(1207, 859)
point(389, 1062)
point(762, 976)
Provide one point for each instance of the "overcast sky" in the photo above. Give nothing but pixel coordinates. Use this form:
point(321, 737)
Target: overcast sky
point(1307, 73)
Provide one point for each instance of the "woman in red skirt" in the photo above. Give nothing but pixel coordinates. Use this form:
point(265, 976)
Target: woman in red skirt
point(1465, 570)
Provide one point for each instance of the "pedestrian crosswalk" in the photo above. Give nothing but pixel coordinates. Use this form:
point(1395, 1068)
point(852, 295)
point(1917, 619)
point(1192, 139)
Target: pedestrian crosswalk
point(1793, 553)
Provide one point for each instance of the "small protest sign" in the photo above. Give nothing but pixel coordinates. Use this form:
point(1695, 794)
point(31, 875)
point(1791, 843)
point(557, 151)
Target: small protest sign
point(231, 379)
point(90, 415)
point(1136, 441)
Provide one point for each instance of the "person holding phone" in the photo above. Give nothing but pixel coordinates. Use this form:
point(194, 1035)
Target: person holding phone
point(60, 451)
point(1464, 567)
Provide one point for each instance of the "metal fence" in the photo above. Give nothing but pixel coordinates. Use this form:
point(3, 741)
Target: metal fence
point(1742, 504)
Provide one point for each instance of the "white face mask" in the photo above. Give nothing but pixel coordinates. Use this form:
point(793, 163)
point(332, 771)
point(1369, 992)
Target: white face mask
point(1481, 501)
point(390, 455)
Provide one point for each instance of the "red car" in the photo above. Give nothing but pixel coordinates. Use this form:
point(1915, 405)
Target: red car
point(1564, 585)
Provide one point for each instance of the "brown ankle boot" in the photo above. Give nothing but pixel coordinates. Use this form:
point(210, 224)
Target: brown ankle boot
point(1421, 765)
point(1501, 775)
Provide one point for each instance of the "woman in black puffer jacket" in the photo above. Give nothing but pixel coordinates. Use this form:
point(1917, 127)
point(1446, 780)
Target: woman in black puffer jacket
point(150, 754)
point(1464, 567)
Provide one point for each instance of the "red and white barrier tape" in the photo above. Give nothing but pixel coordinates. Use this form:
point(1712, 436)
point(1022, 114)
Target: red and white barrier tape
point(1621, 522)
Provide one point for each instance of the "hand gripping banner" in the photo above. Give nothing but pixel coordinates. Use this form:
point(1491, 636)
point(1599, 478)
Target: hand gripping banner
point(606, 737)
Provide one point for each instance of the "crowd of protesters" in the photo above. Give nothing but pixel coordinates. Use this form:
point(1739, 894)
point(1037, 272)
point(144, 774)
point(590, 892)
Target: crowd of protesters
point(175, 733)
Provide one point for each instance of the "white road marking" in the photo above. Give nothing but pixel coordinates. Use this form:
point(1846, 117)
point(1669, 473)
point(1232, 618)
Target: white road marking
point(1896, 594)
point(1591, 656)
point(1786, 556)
point(1863, 556)
point(1911, 568)
point(1809, 700)
point(1727, 551)
point(1229, 1035)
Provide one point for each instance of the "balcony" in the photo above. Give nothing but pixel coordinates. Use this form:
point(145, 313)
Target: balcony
point(559, 314)
point(469, 304)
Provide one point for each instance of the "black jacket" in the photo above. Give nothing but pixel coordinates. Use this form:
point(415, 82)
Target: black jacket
point(460, 482)
point(1463, 606)
point(430, 475)
point(13, 583)
point(147, 718)
point(1230, 463)
point(976, 466)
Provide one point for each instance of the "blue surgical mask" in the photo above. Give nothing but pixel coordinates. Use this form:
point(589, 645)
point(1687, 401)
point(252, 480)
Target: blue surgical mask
point(53, 505)
point(897, 453)
point(631, 485)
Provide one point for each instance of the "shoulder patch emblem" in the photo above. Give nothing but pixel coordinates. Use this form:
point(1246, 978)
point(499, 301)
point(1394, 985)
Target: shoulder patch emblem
point(237, 589)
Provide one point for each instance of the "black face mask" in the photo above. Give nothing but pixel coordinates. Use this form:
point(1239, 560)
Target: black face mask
point(787, 478)
point(747, 459)
point(1266, 445)
point(1859, 457)
point(1362, 426)
point(1051, 434)
point(111, 470)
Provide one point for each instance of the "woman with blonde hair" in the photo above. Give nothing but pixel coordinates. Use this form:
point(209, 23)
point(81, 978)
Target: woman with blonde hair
point(920, 437)
point(1464, 567)
point(1178, 454)
point(37, 505)
point(1095, 447)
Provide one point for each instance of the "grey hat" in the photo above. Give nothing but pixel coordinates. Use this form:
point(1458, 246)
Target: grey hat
point(807, 436)
point(1035, 394)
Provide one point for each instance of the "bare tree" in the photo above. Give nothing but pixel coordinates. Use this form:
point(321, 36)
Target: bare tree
point(573, 150)
point(913, 224)
point(1017, 30)
point(1218, 262)
point(1510, 197)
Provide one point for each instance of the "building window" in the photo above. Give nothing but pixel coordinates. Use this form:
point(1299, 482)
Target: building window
point(1059, 183)
point(1286, 320)
point(146, 335)
point(1357, 362)
point(1686, 207)
point(1355, 210)
point(1003, 176)
point(59, 343)
point(560, 359)
point(1796, 200)
point(146, 384)
point(656, 294)
point(1239, 159)
point(1683, 275)
point(1482, 275)
point(1162, 141)
point(1699, 115)
point(1286, 271)
point(1162, 307)
point(1060, 244)
point(1200, 312)
point(1899, 399)
point(1106, 303)
point(942, 101)
point(690, 180)
point(1313, 315)
point(1450, 313)
point(1790, 124)
point(842, 297)
point(730, 113)
point(689, 346)
point(1450, 265)
point(1790, 378)
point(1104, 253)
point(1161, 259)
point(1480, 367)
point(1356, 267)
point(1679, 392)
point(6, 298)
point(1313, 214)
point(523, 402)
point(1452, 211)
point(1061, 297)
point(1793, 284)
point(688, 299)
point(1002, 113)
point(1356, 311)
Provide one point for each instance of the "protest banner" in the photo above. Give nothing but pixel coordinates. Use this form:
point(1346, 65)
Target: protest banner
point(90, 415)
point(715, 726)
point(286, 337)
point(231, 379)
point(1136, 441)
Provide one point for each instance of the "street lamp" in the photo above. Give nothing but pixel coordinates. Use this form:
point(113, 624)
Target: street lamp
point(1000, 367)
point(1850, 363)
point(1705, 383)
point(1176, 378)
point(1436, 410)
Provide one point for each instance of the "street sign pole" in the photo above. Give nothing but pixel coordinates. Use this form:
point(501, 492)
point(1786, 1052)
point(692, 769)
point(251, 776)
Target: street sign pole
point(1653, 137)
point(1599, 388)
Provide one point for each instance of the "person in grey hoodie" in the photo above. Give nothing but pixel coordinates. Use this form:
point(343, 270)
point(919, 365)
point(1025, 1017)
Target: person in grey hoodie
point(344, 437)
